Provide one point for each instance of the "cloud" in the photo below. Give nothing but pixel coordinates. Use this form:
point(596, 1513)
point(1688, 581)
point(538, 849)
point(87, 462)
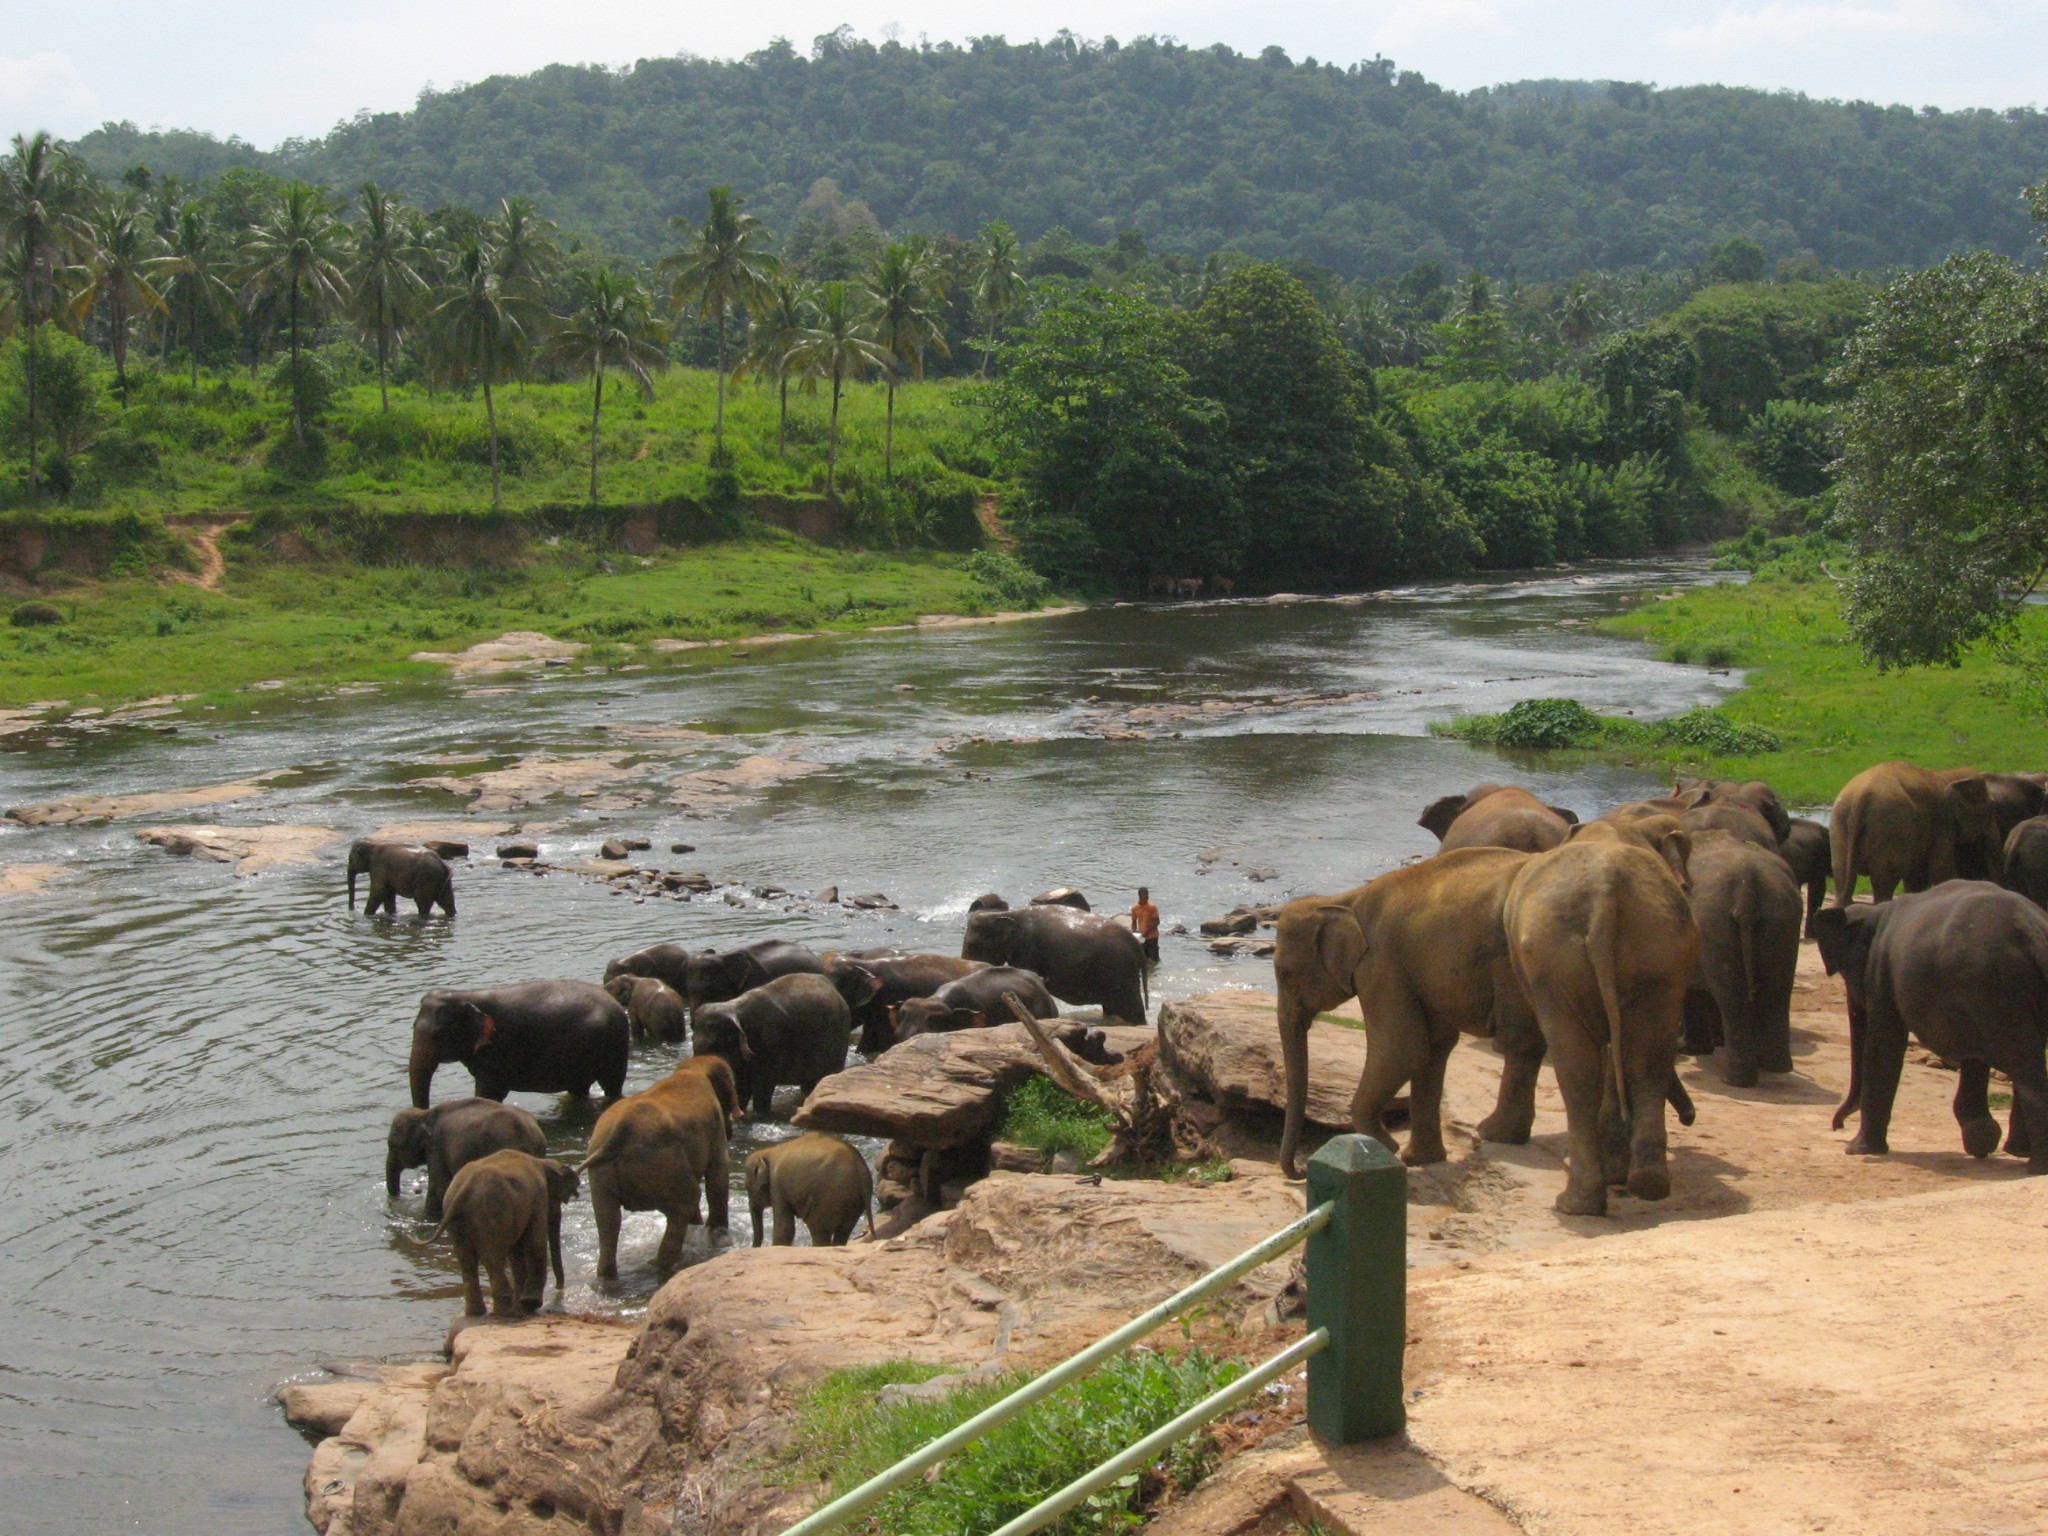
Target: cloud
point(1416, 20)
point(1743, 29)
point(44, 90)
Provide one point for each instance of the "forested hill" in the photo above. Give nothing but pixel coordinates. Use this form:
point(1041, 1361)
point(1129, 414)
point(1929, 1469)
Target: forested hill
point(1364, 169)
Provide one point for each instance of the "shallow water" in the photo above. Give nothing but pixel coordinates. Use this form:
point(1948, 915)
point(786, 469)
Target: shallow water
point(200, 1068)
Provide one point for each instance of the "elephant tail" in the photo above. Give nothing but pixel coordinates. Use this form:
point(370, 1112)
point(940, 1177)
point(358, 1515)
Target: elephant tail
point(1603, 948)
point(1844, 839)
point(597, 1154)
point(431, 1238)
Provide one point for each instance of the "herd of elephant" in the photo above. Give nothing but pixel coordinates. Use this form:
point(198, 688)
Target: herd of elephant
point(758, 1018)
point(1606, 946)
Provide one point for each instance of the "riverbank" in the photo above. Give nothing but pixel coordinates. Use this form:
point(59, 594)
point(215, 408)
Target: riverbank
point(322, 624)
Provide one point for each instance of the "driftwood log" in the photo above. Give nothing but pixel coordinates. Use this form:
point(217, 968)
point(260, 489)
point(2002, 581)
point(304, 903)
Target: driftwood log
point(1129, 1092)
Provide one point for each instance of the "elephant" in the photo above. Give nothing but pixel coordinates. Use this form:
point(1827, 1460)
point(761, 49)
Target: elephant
point(974, 1002)
point(450, 1136)
point(1754, 794)
point(2026, 860)
point(988, 901)
point(418, 874)
point(1963, 967)
point(1602, 940)
point(1423, 951)
point(1497, 816)
point(1909, 826)
point(1746, 906)
point(1062, 896)
point(663, 1149)
point(652, 1008)
point(535, 1037)
point(1698, 815)
point(1082, 957)
point(2016, 797)
point(789, 1030)
point(504, 1212)
point(813, 1176)
point(875, 982)
point(1805, 847)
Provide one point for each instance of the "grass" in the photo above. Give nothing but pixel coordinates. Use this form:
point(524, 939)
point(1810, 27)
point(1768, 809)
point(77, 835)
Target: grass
point(1041, 1114)
point(844, 1436)
point(133, 637)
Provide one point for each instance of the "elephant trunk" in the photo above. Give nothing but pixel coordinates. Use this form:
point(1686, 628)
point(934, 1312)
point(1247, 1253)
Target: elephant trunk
point(393, 1167)
point(421, 1069)
point(1295, 1018)
point(351, 887)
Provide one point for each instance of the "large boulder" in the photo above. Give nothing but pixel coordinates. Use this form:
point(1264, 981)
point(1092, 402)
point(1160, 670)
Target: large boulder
point(1225, 1047)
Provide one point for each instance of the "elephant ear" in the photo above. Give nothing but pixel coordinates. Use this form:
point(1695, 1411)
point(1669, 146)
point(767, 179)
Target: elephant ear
point(1564, 813)
point(865, 985)
point(1829, 930)
point(1438, 815)
point(1972, 793)
point(1340, 944)
point(1674, 846)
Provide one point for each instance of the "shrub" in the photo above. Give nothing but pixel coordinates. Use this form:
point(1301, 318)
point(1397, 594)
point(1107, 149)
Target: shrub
point(1550, 723)
point(1795, 443)
point(31, 614)
point(1039, 1113)
point(1710, 731)
point(1008, 579)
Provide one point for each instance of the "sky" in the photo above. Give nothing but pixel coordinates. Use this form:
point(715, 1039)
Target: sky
point(268, 70)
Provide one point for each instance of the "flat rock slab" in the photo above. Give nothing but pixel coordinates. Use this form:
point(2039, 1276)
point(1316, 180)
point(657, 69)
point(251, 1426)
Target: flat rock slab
point(534, 779)
point(942, 1090)
point(722, 788)
point(1386, 1488)
point(25, 879)
point(1849, 1367)
point(1226, 1046)
point(421, 833)
point(510, 651)
point(250, 849)
point(83, 810)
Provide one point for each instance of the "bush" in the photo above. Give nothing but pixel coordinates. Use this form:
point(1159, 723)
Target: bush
point(1008, 579)
point(1039, 1113)
point(1549, 723)
point(1710, 731)
point(1795, 444)
point(29, 615)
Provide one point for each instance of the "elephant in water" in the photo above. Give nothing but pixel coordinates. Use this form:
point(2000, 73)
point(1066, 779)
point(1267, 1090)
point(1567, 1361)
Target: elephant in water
point(717, 976)
point(536, 1037)
point(662, 1150)
point(813, 1176)
point(652, 1008)
point(504, 1213)
point(1497, 816)
point(1909, 826)
point(873, 982)
point(1082, 958)
point(395, 870)
point(790, 1030)
point(975, 1001)
point(449, 1137)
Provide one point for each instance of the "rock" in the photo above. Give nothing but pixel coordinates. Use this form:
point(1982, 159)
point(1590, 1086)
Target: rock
point(85, 810)
point(1245, 948)
point(324, 1406)
point(430, 834)
point(988, 902)
point(1225, 1046)
point(30, 615)
point(828, 896)
point(874, 901)
point(250, 849)
point(722, 788)
point(514, 649)
point(1009, 1157)
point(25, 879)
point(1239, 922)
point(1261, 874)
point(533, 779)
point(770, 892)
point(446, 848)
point(613, 849)
point(635, 844)
point(519, 850)
point(943, 1090)
point(682, 847)
point(1062, 896)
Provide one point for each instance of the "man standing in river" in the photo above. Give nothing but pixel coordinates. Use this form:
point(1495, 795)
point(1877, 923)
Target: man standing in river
point(1145, 924)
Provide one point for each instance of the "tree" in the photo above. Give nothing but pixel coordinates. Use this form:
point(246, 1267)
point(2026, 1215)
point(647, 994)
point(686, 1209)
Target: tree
point(481, 333)
point(382, 279)
point(837, 343)
point(1579, 314)
point(723, 266)
point(122, 263)
point(774, 335)
point(295, 253)
point(903, 287)
point(612, 326)
point(43, 201)
point(1000, 286)
point(1944, 473)
point(192, 281)
point(525, 243)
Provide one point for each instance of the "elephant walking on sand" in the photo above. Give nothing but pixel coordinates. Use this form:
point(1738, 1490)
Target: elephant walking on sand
point(1909, 826)
point(1424, 952)
point(1603, 943)
point(418, 874)
point(813, 1176)
point(504, 1213)
point(1746, 905)
point(663, 1149)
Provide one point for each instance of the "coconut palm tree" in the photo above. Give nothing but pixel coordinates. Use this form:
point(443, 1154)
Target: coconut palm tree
point(837, 343)
point(43, 202)
point(481, 330)
point(1579, 314)
point(294, 255)
point(192, 283)
point(773, 336)
point(524, 243)
point(383, 283)
point(721, 267)
point(612, 326)
point(123, 265)
point(903, 289)
point(999, 282)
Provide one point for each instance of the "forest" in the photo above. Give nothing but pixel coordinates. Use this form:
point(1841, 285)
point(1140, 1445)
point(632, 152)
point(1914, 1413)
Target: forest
point(1361, 168)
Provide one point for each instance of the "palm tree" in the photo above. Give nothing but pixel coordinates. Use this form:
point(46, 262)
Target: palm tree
point(122, 267)
point(776, 331)
point(295, 253)
point(480, 330)
point(191, 275)
point(382, 279)
point(999, 283)
point(1476, 298)
point(838, 343)
point(43, 198)
point(904, 324)
point(1578, 315)
point(612, 326)
point(524, 243)
point(721, 267)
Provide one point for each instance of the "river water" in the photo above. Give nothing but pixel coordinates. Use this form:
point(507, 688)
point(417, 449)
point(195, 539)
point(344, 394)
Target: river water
point(199, 1068)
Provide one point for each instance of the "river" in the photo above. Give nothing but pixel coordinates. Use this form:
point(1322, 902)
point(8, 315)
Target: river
point(200, 1067)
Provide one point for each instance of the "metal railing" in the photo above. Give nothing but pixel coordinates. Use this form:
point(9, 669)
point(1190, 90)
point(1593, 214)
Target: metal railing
point(1356, 1231)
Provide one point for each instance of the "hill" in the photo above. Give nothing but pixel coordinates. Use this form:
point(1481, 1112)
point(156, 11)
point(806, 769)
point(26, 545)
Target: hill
point(1363, 168)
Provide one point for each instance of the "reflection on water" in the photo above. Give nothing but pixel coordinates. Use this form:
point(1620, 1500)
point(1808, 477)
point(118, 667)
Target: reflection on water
point(199, 1069)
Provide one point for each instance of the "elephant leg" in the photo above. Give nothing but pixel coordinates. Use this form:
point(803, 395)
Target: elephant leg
point(2028, 1137)
point(1425, 1106)
point(437, 1188)
point(604, 1206)
point(613, 1081)
point(1520, 1044)
point(503, 1302)
point(533, 1252)
point(472, 1291)
point(764, 1098)
point(425, 905)
point(1884, 1058)
point(1738, 1031)
point(718, 1194)
point(1614, 1129)
point(1702, 1022)
point(675, 1228)
point(1973, 1109)
point(1577, 1059)
point(785, 1220)
point(1649, 1074)
point(1396, 1052)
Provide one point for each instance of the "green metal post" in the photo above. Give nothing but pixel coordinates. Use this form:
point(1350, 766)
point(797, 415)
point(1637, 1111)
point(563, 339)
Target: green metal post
point(1358, 1290)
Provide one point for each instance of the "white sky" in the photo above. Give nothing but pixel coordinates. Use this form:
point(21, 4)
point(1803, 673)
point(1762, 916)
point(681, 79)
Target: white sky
point(272, 69)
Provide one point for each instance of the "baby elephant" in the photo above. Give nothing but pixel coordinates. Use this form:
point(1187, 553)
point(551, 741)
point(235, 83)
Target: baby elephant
point(396, 870)
point(662, 1149)
point(505, 1213)
point(654, 1009)
point(814, 1176)
point(452, 1135)
point(975, 1001)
